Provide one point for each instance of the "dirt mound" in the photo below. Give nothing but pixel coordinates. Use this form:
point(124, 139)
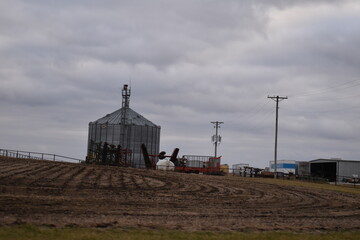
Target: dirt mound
point(64, 194)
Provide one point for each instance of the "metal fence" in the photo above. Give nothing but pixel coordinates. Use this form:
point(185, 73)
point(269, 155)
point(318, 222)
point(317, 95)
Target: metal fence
point(38, 156)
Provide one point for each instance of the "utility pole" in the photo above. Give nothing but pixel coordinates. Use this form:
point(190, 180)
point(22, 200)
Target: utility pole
point(216, 138)
point(277, 99)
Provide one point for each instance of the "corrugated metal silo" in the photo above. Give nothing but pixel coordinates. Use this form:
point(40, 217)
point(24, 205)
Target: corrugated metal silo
point(127, 129)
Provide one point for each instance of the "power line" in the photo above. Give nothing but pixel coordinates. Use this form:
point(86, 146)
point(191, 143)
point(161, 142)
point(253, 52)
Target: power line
point(342, 86)
point(323, 111)
point(331, 98)
point(256, 122)
point(252, 114)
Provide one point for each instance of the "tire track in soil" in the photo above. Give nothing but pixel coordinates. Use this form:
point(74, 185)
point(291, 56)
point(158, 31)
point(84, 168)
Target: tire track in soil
point(110, 180)
point(138, 182)
point(166, 184)
point(301, 199)
point(94, 180)
point(310, 203)
point(50, 178)
point(12, 171)
point(71, 179)
point(102, 180)
point(84, 178)
point(160, 199)
point(155, 183)
point(27, 171)
point(118, 182)
point(10, 167)
point(128, 181)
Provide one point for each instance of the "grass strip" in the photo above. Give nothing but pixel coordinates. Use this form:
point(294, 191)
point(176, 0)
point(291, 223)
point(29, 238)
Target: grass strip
point(322, 186)
point(30, 232)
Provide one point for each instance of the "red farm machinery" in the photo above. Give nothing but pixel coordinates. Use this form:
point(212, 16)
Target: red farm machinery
point(187, 163)
point(199, 164)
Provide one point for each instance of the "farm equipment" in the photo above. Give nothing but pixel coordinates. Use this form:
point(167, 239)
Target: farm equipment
point(150, 163)
point(187, 164)
point(199, 164)
point(109, 154)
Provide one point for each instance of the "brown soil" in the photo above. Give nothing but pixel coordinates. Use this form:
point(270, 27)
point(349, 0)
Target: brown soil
point(64, 194)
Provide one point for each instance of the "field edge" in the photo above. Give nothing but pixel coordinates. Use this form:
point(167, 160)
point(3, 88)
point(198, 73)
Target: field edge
point(27, 231)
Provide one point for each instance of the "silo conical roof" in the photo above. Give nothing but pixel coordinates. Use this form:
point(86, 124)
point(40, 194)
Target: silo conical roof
point(133, 118)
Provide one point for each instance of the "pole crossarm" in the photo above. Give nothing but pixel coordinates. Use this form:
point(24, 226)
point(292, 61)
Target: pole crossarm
point(277, 98)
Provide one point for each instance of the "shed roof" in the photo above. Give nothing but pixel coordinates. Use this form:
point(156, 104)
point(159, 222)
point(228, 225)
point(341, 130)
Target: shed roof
point(133, 118)
point(322, 160)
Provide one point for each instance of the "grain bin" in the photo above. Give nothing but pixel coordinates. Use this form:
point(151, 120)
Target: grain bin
point(122, 132)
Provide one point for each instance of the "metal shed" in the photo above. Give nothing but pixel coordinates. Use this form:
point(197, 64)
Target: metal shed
point(334, 169)
point(302, 168)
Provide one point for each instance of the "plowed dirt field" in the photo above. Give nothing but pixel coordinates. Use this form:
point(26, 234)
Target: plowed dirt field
point(65, 194)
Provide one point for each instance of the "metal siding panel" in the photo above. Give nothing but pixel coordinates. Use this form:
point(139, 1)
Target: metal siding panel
point(151, 139)
point(116, 137)
point(103, 134)
point(112, 134)
point(122, 136)
point(133, 140)
point(159, 138)
point(155, 140)
point(106, 132)
point(94, 132)
point(347, 169)
point(98, 133)
point(109, 130)
point(147, 137)
point(89, 138)
point(143, 135)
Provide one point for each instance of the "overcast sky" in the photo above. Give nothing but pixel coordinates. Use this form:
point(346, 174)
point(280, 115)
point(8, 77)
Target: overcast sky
point(190, 62)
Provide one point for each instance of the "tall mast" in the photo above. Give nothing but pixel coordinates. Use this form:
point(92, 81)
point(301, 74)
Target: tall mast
point(124, 116)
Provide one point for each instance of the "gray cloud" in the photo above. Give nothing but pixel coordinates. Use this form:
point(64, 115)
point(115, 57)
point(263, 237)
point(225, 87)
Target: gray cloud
point(63, 64)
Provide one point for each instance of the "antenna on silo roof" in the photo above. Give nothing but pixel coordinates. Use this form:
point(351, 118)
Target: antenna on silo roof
point(126, 91)
point(125, 135)
point(125, 103)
